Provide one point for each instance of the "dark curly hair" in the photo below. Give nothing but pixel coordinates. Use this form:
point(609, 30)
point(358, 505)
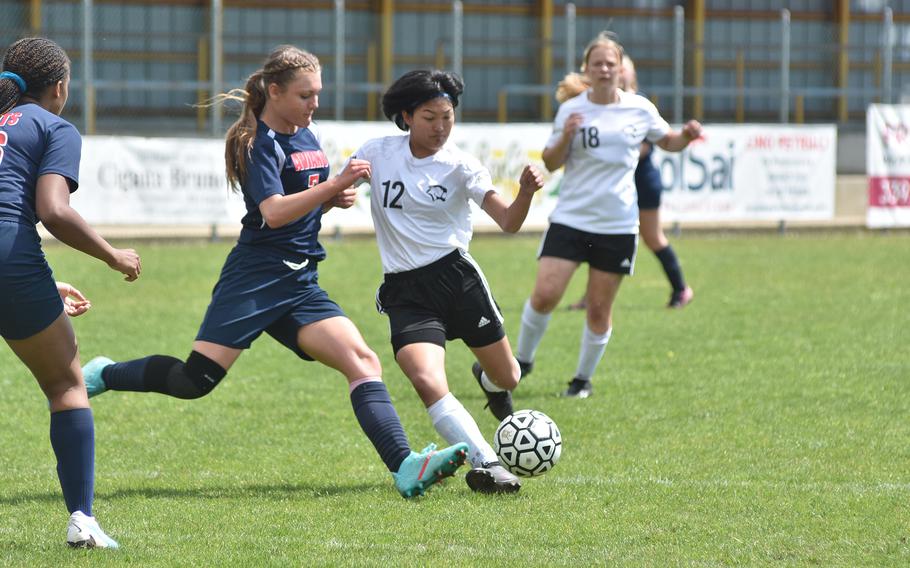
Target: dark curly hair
point(39, 61)
point(417, 87)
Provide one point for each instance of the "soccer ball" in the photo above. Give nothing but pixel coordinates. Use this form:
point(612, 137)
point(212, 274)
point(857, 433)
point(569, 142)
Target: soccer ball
point(528, 443)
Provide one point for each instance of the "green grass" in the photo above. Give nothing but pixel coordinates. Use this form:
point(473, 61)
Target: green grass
point(766, 424)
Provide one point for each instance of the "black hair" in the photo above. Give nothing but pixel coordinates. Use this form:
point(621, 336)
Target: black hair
point(417, 87)
point(40, 63)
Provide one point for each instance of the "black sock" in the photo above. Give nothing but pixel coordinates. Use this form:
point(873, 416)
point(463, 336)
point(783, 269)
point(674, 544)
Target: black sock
point(380, 422)
point(166, 375)
point(671, 266)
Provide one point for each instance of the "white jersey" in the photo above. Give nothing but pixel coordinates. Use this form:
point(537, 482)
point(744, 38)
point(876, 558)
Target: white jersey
point(420, 207)
point(597, 193)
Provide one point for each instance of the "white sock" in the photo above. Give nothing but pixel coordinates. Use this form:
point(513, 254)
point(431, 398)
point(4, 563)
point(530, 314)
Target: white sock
point(533, 326)
point(489, 385)
point(592, 350)
point(454, 424)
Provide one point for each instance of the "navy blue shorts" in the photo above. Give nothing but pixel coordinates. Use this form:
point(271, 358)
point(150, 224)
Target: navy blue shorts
point(29, 301)
point(648, 184)
point(258, 291)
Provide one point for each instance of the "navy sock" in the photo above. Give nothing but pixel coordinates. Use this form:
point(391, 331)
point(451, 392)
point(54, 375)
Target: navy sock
point(126, 376)
point(380, 422)
point(671, 266)
point(73, 440)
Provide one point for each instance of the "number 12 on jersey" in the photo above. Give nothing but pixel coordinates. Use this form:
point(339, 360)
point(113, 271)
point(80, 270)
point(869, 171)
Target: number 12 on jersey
point(397, 190)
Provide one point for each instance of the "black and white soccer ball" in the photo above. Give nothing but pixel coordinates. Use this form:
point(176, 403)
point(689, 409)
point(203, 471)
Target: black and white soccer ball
point(528, 443)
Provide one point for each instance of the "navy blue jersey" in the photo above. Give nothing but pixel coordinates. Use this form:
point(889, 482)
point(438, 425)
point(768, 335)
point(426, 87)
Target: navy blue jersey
point(34, 142)
point(283, 164)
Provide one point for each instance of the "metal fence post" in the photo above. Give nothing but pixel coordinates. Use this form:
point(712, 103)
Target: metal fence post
point(339, 59)
point(785, 66)
point(887, 54)
point(88, 71)
point(570, 38)
point(217, 28)
point(458, 43)
point(679, 46)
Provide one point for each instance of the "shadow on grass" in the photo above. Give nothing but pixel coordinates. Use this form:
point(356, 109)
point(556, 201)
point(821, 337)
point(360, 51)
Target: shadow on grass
point(260, 491)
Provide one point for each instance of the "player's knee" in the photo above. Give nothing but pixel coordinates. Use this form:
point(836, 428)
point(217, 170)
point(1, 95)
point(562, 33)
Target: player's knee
point(544, 301)
point(195, 378)
point(367, 362)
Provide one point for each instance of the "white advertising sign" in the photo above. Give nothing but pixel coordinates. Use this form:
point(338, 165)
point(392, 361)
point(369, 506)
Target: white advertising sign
point(751, 172)
point(888, 165)
point(735, 173)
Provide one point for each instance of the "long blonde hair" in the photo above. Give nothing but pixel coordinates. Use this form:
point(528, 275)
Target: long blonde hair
point(279, 68)
point(574, 84)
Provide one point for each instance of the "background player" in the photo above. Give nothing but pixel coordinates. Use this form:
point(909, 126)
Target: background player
point(597, 136)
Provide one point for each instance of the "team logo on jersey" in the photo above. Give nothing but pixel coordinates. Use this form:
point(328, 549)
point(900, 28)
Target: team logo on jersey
point(309, 160)
point(632, 132)
point(437, 192)
point(312, 180)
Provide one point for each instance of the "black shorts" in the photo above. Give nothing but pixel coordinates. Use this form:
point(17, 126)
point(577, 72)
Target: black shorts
point(447, 299)
point(609, 253)
point(648, 184)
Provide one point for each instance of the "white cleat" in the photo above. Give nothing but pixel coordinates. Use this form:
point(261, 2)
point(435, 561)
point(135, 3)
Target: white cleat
point(83, 531)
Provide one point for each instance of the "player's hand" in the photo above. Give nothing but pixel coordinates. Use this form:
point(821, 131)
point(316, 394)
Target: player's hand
point(572, 124)
point(531, 179)
point(74, 303)
point(692, 130)
point(344, 199)
point(126, 261)
point(356, 169)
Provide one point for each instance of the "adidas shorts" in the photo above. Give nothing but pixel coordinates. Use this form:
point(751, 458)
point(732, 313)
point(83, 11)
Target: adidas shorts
point(445, 300)
point(608, 253)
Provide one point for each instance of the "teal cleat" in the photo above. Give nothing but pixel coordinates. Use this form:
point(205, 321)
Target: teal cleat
point(91, 373)
point(419, 471)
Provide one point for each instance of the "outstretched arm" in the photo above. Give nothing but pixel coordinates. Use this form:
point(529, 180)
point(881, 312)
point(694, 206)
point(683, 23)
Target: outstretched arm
point(677, 141)
point(511, 217)
point(67, 226)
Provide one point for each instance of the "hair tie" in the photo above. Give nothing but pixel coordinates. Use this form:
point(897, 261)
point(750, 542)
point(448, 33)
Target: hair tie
point(19, 81)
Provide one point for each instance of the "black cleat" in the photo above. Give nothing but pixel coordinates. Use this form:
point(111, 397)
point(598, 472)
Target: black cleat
point(499, 403)
point(578, 388)
point(492, 478)
point(526, 368)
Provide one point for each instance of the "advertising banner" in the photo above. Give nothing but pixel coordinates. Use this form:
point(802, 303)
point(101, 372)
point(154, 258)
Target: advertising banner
point(888, 165)
point(736, 172)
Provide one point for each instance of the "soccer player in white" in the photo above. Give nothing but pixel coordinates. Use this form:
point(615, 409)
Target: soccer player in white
point(433, 291)
point(597, 137)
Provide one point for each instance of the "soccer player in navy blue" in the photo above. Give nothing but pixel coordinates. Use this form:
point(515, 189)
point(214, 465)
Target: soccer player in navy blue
point(269, 280)
point(39, 168)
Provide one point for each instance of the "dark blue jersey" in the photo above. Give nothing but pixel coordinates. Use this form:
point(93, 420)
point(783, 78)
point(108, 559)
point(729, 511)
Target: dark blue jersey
point(283, 164)
point(34, 142)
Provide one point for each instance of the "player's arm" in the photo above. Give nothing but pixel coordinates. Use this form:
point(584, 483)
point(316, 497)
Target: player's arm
point(556, 153)
point(677, 141)
point(511, 217)
point(52, 203)
point(279, 210)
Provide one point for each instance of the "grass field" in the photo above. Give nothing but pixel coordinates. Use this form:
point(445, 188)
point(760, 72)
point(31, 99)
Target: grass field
point(766, 424)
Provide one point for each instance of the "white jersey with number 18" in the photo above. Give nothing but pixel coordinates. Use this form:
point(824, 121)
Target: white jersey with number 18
point(597, 193)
